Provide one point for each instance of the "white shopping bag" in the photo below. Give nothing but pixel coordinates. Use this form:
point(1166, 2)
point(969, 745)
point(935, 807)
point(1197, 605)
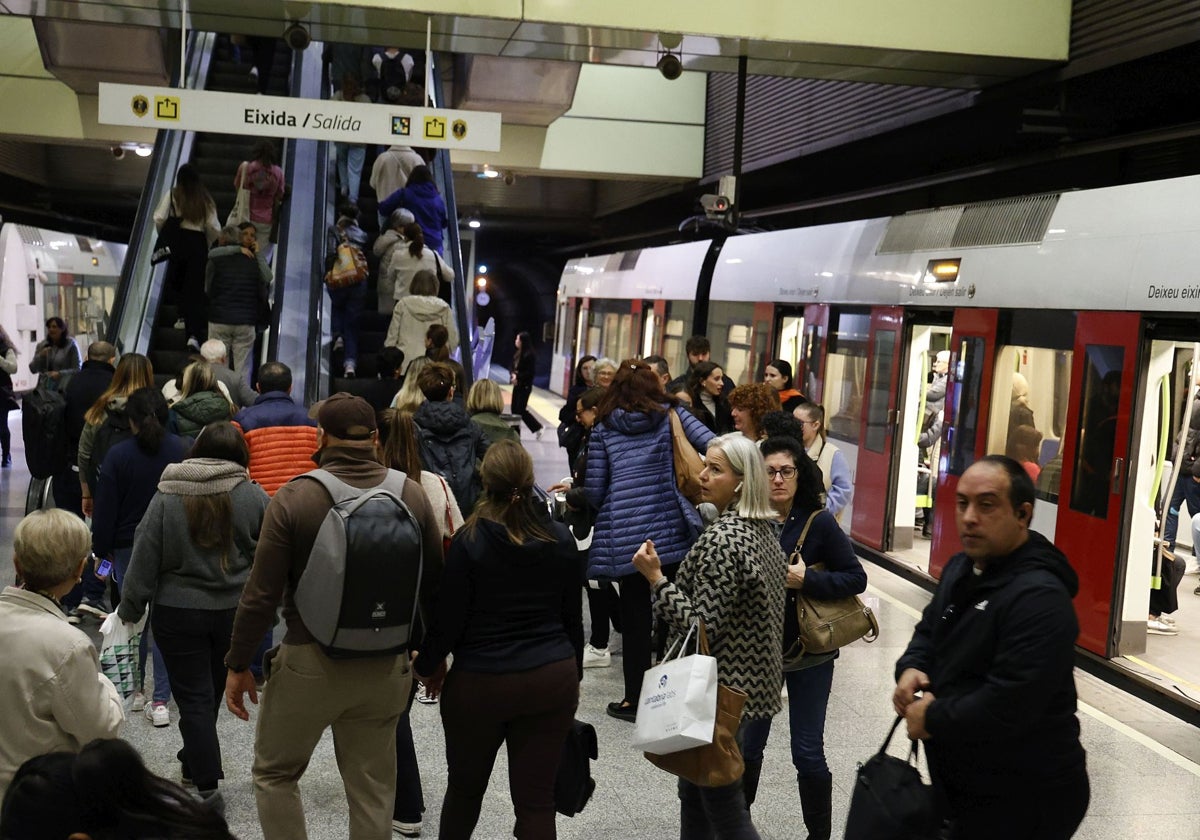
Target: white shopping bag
point(119, 655)
point(677, 708)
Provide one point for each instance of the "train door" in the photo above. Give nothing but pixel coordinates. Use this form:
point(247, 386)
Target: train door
point(653, 314)
point(789, 337)
point(810, 374)
point(873, 499)
point(1095, 465)
point(924, 378)
point(973, 343)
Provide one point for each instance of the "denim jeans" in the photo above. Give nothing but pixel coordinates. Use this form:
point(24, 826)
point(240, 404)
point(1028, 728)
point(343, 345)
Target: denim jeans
point(162, 686)
point(346, 304)
point(349, 167)
point(808, 700)
point(716, 813)
point(1187, 488)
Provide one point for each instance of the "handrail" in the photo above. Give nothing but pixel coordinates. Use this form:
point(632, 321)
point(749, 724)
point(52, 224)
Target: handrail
point(459, 301)
point(299, 324)
point(136, 300)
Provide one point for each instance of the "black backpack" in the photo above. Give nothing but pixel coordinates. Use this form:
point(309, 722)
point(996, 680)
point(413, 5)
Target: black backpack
point(575, 785)
point(358, 592)
point(112, 431)
point(44, 428)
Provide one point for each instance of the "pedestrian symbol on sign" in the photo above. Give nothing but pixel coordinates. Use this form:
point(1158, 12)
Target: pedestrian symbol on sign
point(140, 105)
point(459, 129)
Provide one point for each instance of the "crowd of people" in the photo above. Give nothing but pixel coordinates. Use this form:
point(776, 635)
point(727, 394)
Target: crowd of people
point(208, 507)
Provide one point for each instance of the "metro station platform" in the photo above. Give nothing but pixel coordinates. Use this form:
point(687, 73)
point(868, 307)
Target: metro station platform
point(1144, 764)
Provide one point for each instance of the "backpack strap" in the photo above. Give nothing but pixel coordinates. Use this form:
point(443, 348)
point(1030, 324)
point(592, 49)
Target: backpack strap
point(342, 492)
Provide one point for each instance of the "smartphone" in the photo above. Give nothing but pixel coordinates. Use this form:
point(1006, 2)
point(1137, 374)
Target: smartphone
point(104, 569)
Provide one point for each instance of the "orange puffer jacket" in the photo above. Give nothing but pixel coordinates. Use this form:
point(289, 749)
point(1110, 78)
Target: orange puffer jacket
point(280, 453)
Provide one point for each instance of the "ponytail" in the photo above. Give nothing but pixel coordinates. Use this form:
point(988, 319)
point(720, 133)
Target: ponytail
point(147, 409)
point(416, 239)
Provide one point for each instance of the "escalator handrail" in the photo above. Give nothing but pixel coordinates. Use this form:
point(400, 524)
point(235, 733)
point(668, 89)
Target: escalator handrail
point(135, 302)
point(445, 177)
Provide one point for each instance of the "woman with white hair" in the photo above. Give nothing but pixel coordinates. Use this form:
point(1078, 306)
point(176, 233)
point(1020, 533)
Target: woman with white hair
point(603, 372)
point(733, 579)
point(52, 696)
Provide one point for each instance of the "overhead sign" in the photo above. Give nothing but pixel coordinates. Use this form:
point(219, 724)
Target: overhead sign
point(310, 119)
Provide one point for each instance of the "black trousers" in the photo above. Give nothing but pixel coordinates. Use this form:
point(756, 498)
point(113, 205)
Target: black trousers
point(185, 274)
point(520, 403)
point(193, 645)
point(410, 800)
point(637, 623)
point(604, 606)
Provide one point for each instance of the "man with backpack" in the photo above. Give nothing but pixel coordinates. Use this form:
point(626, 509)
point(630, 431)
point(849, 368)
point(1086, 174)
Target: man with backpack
point(344, 662)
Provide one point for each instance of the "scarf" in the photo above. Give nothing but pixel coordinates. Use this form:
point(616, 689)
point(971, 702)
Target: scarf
point(201, 477)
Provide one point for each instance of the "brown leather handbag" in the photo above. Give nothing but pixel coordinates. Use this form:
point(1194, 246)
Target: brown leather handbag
point(719, 763)
point(688, 464)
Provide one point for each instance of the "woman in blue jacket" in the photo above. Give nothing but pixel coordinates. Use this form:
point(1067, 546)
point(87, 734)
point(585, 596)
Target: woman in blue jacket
point(631, 481)
point(809, 535)
point(420, 196)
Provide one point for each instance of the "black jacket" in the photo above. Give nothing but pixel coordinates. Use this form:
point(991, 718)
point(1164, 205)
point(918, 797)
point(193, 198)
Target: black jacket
point(451, 446)
point(504, 608)
point(81, 394)
point(235, 284)
point(999, 649)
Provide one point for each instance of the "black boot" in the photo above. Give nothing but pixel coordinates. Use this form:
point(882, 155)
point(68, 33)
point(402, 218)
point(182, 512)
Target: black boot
point(816, 803)
point(750, 781)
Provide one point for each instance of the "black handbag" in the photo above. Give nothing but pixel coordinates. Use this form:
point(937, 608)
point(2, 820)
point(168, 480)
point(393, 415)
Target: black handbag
point(166, 246)
point(574, 784)
point(890, 800)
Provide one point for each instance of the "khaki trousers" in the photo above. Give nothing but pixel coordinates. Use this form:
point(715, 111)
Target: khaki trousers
point(361, 699)
point(239, 338)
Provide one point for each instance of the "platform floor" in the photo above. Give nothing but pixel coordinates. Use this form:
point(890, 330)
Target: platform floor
point(1144, 764)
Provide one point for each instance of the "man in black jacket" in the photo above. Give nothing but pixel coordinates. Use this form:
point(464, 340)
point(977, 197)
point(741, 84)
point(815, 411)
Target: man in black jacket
point(987, 680)
point(81, 393)
point(236, 279)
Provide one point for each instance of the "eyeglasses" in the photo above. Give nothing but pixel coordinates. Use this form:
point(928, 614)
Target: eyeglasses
point(786, 473)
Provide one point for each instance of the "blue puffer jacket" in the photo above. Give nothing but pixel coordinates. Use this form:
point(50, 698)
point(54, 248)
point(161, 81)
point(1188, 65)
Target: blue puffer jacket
point(631, 480)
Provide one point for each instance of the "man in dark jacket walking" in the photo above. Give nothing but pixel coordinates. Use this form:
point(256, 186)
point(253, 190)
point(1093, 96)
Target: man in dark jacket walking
point(988, 678)
point(236, 279)
point(451, 445)
point(80, 394)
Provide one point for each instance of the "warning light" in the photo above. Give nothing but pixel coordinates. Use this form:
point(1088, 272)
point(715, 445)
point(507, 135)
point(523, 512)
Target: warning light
point(942, 271)
point(481, 283)
point(715, 205)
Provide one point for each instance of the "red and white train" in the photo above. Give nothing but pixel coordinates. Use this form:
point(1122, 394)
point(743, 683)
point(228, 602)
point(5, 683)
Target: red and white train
point(1090, 298)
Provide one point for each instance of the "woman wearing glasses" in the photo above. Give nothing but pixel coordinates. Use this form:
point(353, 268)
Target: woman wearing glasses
point(835, 472)
point(809, 534)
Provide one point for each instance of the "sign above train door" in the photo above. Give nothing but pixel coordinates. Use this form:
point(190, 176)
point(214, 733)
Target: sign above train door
point(309, 119)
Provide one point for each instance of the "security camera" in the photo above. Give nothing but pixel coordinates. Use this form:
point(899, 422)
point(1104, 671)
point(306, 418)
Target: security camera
point(510, 178)
point(117, 152)
point(670, 66)
point(297, 37)
point(715, 206)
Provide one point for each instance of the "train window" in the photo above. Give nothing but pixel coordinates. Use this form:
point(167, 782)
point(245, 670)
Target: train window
point(1102, 374)
point(731, 331)
point(1030, 394)
point(845, 373)
point(967, 388)
point(676, 329)
point(811, 350)
point(879, 400)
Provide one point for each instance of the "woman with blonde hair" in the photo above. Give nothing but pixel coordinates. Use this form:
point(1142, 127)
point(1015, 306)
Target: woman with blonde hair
point(835, 472)
point(509, 611)
point(603, 372)
point(201, 403)
point(733, 580)
point(192, 555)
point(196, 230)
point(409, 397)
point(134, 371)
point(485, 404)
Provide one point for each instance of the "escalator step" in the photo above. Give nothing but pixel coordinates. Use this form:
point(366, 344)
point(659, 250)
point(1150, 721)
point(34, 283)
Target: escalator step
point(170, 339)
point(168, 314)
point(168, 361)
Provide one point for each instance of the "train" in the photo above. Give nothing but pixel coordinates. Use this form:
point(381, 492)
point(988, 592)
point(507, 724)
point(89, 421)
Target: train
point(1074, 310)
point(47, 272)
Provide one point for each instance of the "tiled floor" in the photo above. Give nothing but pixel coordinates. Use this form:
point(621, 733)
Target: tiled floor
point(1141, 788)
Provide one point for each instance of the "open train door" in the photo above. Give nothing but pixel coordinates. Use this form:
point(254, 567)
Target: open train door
point(964, 438)
point(809, 377)
point(1095, 465)
point(873, 474)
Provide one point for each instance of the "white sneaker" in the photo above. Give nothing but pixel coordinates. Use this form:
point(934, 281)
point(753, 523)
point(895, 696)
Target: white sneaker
point(139, 701)
point(404, 829)
point(1157, 627)
point(158, 714)
point(423, 697)
point(596, 657)
point(1168, 620)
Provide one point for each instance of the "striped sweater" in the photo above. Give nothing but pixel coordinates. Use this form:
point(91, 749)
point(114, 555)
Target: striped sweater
point(733, 578)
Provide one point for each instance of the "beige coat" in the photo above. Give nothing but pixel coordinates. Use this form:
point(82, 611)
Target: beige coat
point(52, 694)
point(412, 318)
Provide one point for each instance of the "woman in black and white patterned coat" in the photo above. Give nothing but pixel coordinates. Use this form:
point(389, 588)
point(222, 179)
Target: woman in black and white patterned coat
point(733, 578)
